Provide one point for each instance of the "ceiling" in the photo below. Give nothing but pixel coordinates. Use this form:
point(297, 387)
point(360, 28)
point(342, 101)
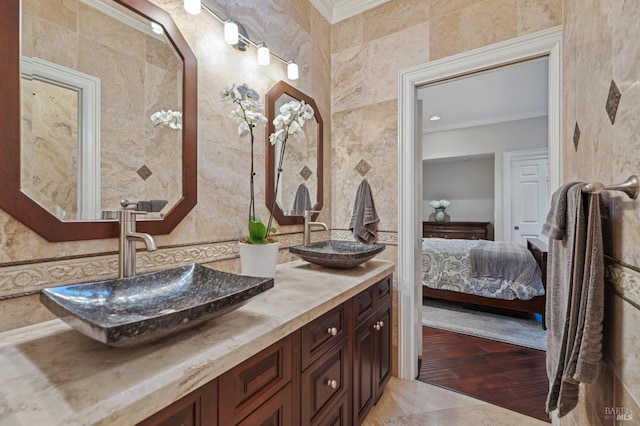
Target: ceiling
point(338, 10)
point(509, 93)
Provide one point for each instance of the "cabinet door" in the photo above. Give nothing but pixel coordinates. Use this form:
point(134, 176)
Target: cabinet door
point(382, 348)
point(248, 385)
point(277, 411)
point(363, 379)
point(197, 408)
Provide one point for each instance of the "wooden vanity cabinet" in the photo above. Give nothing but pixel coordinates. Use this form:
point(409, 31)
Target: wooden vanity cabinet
point(197, 408)
point(247, 387)
point(371, 348)
point(329, 372)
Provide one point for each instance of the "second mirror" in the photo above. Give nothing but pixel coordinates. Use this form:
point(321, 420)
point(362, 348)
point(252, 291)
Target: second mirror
point(300, 186)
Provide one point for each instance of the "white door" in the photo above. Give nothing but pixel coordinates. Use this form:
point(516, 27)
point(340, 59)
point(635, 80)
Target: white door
point(529, 197)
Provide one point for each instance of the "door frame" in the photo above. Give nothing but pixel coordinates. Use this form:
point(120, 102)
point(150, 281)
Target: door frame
point(507, 196)
point(543, 43)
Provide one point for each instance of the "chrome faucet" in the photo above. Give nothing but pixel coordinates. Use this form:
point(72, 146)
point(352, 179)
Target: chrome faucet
point(128, 238)
point(308, 224)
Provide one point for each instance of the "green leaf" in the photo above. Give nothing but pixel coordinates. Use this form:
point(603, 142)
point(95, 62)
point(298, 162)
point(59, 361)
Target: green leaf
point(257, 231)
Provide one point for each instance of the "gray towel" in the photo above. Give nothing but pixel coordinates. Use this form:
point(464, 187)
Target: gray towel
point(575, 294)
point(302, 201)
point(364, 219)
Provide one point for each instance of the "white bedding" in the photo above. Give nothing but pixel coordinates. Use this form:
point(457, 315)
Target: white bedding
point(446, 266)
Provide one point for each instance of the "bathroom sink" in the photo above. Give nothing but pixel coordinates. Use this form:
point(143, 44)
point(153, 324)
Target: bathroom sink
point(337, 254)
point(137, 310)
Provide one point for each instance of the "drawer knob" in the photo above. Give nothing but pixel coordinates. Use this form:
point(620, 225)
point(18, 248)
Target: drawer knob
point(332, 331)
point(332, 384)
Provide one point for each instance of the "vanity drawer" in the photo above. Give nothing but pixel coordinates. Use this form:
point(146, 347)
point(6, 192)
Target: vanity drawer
point(248, 385)
point(324, 382)
point(363, 304)
point(383, 291)
point(324, 332)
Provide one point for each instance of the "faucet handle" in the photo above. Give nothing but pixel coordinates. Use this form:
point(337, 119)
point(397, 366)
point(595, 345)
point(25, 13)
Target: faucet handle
point(127, 203)
point(308, 213)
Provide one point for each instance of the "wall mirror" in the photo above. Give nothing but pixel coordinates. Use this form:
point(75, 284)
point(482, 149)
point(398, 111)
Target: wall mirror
point(83, 79)
point(300, 185)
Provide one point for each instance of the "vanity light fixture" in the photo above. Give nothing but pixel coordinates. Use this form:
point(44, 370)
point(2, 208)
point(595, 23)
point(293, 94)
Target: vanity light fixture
point(263, 54)
point(434, 118)
point(292, 70)
point(236, 35)
point(192, 6)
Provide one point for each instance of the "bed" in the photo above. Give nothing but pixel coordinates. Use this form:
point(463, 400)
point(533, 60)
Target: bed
point(495, 274)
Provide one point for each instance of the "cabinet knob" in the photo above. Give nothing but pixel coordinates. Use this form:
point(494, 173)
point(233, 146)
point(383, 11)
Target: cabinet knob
point(332, 331)
point(332, 384)
point(516, 227)
point(377, 326)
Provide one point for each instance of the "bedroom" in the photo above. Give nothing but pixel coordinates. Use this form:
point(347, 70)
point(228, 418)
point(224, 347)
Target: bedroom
point(475, 143)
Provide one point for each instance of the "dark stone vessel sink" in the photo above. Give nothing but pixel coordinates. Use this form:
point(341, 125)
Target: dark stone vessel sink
point(138, 310)
point(337, 254)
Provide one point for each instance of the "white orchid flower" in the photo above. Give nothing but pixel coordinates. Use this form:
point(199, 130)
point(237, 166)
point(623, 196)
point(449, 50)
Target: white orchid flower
point(227, 95)
point(243, 128)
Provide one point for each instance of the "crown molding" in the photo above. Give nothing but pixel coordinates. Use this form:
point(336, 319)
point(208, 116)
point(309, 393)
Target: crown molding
point(336, 11)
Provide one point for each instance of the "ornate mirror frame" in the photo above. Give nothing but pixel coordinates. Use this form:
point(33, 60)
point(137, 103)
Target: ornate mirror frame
point(271, 98)
point(30, 213)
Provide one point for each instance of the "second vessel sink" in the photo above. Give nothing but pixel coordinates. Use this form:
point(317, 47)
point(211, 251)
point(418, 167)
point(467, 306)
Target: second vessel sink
point(337, 254)
point(136, 310)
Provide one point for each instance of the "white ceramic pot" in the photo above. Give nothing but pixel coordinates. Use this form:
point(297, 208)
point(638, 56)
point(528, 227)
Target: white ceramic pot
point(259, 260)
point(440, 215)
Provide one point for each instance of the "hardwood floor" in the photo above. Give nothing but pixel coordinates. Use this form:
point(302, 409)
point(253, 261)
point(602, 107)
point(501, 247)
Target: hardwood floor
point(503, 374)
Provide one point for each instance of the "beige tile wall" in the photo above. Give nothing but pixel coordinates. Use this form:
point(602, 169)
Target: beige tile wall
point(292, 29)
point(601, 44)
point(369, 49)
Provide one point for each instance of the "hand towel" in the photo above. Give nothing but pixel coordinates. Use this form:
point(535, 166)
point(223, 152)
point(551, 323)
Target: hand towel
point(575, 294)
point(364, 219)
point(302, 200)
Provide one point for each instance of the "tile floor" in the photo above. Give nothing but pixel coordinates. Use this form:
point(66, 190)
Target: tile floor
point(416, 404)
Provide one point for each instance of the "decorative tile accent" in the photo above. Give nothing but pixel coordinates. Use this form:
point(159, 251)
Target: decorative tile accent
point(625, 281)
point(144, 172)
point(576, 136)
point(612, 101)
point(305, 172)
point(28, 278)
point(384, 237)
point(363, 168)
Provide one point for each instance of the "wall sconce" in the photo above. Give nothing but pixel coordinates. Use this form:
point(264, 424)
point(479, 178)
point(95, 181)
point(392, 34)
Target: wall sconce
point(292, 70)
point(263, 54)
point(236, 35)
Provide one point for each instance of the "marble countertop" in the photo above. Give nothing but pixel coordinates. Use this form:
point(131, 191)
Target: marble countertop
point(52, 374)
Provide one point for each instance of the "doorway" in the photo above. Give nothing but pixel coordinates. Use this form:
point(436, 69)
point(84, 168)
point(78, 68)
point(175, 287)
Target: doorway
point(546, 42)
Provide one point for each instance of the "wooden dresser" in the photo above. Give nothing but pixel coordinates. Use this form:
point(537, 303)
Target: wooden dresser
point(457, 230)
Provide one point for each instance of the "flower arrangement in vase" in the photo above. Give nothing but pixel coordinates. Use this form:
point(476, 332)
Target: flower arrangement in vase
point(440, 207)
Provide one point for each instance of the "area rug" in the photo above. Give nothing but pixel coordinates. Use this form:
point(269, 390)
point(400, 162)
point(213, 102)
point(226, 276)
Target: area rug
point(454, 317)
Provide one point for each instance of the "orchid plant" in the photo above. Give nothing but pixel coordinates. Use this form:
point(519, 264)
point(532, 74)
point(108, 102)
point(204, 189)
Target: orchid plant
point(290, 122)
point(249, 112)
point(169, 118)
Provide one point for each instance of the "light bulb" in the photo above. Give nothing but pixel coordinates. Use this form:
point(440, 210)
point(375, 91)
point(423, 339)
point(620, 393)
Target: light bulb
point(192, 6)
point(263, 55)
point(231, 32)
point(292, 71)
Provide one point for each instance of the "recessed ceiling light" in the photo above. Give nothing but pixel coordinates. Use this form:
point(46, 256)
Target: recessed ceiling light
point(434, 118)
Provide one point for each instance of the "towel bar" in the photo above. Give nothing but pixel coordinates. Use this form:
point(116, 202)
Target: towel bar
point(629, 187)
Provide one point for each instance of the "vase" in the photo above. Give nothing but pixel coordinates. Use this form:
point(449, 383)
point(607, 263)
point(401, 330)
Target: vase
point(440, 215)
point(258, 260)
